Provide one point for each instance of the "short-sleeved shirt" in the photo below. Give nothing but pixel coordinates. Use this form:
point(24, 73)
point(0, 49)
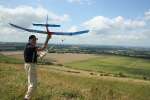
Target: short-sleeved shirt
point(30, 53)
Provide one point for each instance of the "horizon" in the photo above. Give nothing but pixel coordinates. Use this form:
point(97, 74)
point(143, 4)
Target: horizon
point(91, 45)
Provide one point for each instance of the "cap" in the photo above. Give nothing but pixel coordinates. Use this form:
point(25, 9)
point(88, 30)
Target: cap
point(32, 36)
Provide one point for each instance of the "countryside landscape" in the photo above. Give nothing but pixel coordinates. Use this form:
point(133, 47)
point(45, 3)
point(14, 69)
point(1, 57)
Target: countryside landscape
point(71, 74)
point(74, 49)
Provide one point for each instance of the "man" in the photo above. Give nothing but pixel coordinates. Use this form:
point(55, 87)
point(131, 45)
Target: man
point(30, 57)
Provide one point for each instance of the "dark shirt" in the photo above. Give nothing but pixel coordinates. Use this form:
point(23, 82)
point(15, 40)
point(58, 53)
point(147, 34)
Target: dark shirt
point(30, 54)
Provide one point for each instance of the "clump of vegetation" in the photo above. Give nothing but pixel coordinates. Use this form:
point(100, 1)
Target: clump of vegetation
point(146, 78)
point(120, 74)
point(72, 94)
point(59, 64)
point(91, 73)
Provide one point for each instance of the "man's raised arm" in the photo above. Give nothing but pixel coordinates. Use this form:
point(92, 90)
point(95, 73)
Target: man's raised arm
point(45, 44)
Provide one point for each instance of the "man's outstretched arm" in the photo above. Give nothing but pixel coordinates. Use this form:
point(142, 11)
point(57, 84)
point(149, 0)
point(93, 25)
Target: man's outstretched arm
point(45, 44)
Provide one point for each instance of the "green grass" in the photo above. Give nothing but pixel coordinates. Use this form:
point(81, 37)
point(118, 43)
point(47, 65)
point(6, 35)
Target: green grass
point(53, 85)
point(128, 66)
point(59, 86)
point(7, 59)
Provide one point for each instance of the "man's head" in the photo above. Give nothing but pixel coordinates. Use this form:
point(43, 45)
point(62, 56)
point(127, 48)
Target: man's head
point(32, 39)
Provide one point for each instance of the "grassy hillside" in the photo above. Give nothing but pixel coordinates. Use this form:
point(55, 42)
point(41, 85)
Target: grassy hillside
point(108, 65)
point(125, 66)
point(54, 85)
point(58, 85)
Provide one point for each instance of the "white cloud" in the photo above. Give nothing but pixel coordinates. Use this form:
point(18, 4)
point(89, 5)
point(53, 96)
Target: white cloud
point(102, 24)
point(147, 15)
point(114, 31)
point(89, 2)
point(24, 16)
point(98, 23)
point(118, 31)
point(73, 29)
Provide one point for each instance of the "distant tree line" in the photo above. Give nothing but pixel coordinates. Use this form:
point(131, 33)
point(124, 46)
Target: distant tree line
point(86, 49)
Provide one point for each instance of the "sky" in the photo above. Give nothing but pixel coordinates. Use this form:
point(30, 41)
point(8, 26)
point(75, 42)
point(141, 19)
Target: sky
point(111, 22)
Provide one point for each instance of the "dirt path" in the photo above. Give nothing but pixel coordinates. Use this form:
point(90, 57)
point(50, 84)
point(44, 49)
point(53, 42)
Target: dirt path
point(94, 75)
point(82, 73)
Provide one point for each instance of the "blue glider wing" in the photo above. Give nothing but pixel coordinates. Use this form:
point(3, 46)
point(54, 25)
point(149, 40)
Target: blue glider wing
point(53, 33)
point(49, 25)
point(70, 33)
point(28, 30)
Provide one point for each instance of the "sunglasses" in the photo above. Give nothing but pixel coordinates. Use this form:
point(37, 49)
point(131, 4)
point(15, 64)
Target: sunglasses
point(35, 39)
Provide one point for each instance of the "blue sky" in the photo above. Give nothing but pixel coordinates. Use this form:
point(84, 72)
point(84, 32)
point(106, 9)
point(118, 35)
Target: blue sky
point(84, 11)
point(112, 22)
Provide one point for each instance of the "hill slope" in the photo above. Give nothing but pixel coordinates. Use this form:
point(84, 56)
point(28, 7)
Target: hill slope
point(60, 85)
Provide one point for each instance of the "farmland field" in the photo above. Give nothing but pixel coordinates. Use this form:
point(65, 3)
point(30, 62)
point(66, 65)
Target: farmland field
point(127, 66)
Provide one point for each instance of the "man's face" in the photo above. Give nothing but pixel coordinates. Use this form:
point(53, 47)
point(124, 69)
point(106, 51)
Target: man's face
point(33, 41)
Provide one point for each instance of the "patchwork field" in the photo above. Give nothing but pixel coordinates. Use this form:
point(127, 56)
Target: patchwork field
point(82, 77)
point(116, 65)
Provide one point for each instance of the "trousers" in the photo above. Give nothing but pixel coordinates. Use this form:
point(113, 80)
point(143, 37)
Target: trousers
point(31, 72)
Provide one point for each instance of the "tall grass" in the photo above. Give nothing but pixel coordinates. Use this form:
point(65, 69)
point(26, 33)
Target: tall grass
point(53, 85)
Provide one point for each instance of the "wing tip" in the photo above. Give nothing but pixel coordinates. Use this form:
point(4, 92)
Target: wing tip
point(87, 31)
point(10, 23)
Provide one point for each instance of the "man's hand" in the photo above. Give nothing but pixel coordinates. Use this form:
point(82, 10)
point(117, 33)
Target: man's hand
point(49, 35)
point(45, 46)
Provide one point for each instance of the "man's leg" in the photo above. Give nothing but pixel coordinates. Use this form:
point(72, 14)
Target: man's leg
point(32, 79)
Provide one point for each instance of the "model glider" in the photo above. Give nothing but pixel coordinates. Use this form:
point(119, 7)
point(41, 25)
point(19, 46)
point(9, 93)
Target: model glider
point(47, 30)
